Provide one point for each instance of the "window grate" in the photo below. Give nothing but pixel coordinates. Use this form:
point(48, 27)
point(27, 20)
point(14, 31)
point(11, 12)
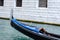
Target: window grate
point(43, 3)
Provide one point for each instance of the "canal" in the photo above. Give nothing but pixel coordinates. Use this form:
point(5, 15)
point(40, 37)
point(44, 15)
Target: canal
point(9, 33)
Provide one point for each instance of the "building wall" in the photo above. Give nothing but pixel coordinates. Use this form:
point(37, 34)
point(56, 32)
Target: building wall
point(6, 9)
point(31, 11)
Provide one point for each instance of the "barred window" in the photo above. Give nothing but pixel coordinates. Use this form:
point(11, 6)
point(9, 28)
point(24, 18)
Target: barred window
point(1, 2)
point(43, 3)
point(19, 3)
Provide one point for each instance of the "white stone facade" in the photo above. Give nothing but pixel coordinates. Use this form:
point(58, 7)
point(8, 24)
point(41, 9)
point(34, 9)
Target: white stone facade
point(31, 11)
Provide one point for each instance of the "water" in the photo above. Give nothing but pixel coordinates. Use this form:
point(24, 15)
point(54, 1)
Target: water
point(9, 33)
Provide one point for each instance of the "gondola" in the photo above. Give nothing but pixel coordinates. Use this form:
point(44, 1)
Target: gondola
point(31, 32)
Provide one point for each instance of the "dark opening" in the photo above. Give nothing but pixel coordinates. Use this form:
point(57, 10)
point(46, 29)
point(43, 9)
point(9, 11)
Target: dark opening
point(19, 3)
point(1, 2)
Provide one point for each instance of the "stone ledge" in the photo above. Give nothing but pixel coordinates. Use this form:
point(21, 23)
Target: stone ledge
point(33, 21)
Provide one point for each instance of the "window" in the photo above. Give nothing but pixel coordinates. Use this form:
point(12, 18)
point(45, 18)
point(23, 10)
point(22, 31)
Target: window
point(43, 3)
point(1, 2)
point(19, 3)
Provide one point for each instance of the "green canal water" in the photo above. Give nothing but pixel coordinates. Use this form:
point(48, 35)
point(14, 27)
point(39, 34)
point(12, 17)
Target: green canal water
point(9, 33)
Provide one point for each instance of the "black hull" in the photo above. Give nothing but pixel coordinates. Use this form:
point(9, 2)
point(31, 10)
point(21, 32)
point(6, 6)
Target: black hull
point(30, 33)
